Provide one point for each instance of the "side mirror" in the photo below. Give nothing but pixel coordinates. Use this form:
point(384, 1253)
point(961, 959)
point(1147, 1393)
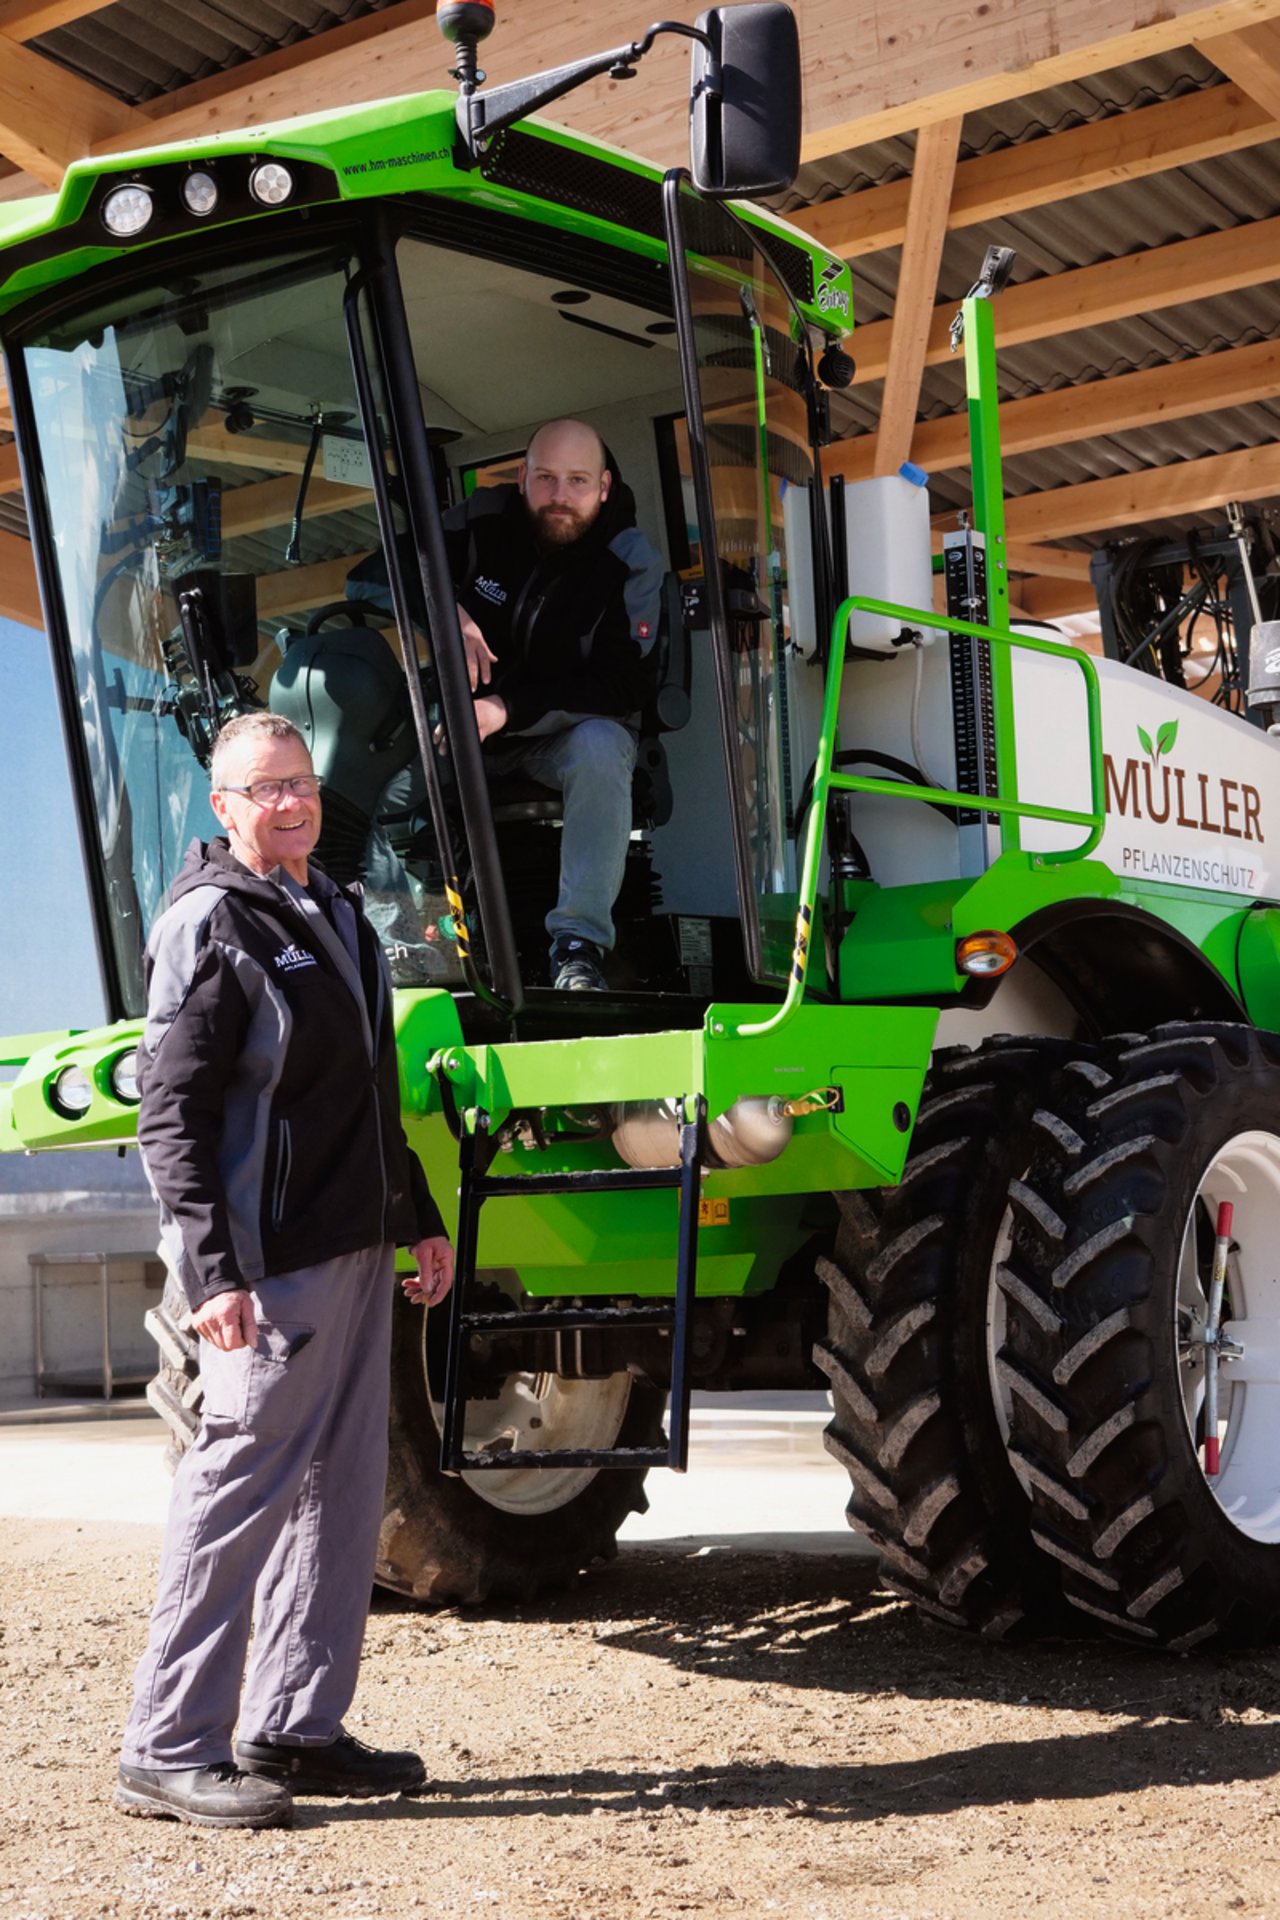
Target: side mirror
point(744, 101)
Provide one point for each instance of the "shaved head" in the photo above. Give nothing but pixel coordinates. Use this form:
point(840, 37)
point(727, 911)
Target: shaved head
point(565, 480)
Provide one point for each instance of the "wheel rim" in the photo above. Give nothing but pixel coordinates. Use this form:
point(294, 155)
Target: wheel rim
point(1245, 1171)
point(540, 1412)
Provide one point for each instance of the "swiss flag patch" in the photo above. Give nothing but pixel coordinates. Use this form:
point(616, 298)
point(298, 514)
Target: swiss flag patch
point(643, 630)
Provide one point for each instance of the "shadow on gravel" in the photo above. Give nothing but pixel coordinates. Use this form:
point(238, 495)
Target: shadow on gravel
point(814, 1622)
point(1072, 1767)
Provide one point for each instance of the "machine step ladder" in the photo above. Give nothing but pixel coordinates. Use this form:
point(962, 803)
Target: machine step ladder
point(477, 1185)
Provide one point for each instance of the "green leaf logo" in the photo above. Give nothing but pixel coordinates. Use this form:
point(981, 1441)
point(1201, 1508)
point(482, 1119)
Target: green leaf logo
point(1165, 737)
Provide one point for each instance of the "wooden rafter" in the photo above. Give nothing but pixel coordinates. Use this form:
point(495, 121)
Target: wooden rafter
point(1051, 563)
point(10, 474)
point(270, 503)
point(373, 58)
point(1127, 146)
point(940, 60)
point(1049, 599)
point(1252, 59)
point(1198, 269)
point(49, 117)
point(1234, 378)
point(931, 177)
point(1135, 499)
point(28, 19)
point(301, 587)
point(19, 599)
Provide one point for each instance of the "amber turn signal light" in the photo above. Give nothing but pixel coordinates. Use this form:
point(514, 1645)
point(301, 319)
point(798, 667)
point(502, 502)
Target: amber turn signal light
point(985, 954)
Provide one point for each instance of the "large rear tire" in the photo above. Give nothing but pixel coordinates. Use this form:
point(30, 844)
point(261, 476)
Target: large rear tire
point(915, 1320)
point(1108, 1281)
point(494, 1534)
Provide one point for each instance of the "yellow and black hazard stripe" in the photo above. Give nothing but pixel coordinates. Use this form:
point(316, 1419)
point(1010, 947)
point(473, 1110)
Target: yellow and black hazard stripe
point(461, 932)
point(800, 951)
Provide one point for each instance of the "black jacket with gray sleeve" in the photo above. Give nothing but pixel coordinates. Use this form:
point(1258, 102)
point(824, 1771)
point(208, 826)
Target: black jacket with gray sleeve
point(270, 1116)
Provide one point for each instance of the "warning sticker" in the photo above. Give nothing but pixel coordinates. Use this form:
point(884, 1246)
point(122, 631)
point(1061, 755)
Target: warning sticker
point(713, 1213)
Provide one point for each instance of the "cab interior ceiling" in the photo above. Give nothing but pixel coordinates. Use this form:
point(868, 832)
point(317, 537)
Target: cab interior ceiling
point(496, 352)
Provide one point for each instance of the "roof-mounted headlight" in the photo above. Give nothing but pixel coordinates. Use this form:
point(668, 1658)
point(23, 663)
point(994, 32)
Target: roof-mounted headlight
point(271, 183)
point(127, 210)
point(200, 193)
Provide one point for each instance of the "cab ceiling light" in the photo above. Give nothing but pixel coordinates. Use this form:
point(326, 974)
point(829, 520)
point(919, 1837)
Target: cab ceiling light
point(124, 1077)
point(200, 193)
point(127, 210)
point(985, 954)
point(271, 183)
point(71, 1093)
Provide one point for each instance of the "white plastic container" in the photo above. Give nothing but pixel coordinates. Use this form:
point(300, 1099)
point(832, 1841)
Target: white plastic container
point(890, 553)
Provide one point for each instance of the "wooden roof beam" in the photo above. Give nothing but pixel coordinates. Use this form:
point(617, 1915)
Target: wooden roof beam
point(49, 117)
point(1244, 256)
point(1052, 599)
point(1128, 146)
point(1051, 563)
point(373, 58)
point(270, 503)
point(1251, 58)
point(936, 60)
point(1137, 499)
point(19, 598)
point(298, 589)
point(28, 19)
point(935, 163)
point(1178, 391)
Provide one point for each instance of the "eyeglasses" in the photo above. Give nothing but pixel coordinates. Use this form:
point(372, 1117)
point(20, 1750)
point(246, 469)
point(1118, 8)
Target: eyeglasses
point(268, 793)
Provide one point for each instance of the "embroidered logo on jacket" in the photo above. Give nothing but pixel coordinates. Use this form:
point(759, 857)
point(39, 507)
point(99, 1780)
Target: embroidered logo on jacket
point(491, 590)
point(291, 959)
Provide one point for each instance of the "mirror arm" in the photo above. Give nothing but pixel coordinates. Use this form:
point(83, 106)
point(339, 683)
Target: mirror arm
point(482, 117)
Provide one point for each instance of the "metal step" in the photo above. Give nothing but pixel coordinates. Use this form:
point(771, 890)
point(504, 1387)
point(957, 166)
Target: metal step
point(567, 1457)
point(476, 1187)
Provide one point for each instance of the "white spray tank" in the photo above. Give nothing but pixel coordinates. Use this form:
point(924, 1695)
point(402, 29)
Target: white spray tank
point(890, 550)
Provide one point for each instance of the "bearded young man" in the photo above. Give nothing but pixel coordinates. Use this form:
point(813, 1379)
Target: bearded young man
point(559, 595)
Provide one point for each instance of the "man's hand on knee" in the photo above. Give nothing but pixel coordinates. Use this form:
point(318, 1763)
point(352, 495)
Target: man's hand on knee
point(227, 1320)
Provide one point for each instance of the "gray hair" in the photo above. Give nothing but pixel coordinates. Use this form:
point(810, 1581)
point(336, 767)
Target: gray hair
point(271, 726)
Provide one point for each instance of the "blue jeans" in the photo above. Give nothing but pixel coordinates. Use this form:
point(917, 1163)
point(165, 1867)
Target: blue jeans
point(590, 763)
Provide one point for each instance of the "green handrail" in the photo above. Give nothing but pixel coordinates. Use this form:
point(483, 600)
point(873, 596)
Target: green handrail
point(825, 776)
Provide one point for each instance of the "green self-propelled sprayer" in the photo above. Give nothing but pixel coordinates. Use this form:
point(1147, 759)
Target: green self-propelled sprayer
point(939, 1026)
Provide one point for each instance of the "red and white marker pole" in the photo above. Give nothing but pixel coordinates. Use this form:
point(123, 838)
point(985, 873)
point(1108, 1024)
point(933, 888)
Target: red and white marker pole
point(1221, 1248)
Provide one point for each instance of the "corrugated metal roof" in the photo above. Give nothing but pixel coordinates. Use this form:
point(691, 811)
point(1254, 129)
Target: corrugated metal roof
point(140, 49)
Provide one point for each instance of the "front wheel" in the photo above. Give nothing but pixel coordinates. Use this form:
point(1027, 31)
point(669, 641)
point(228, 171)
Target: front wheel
point(1110, 1283)
point(502, 1534)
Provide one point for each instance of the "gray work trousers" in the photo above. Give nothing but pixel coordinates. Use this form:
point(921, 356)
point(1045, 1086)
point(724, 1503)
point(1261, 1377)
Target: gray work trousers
point(273, 1519)
point(590, 764)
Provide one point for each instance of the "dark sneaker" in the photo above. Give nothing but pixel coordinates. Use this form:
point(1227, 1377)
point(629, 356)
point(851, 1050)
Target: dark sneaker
point(344, 1770)
point(219, 1796)
point(575, 968)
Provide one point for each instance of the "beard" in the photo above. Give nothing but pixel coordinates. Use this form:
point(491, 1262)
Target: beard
point(560, 526)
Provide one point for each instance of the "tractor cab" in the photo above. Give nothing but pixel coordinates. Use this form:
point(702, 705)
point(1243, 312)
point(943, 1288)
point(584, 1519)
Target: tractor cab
point(249, 421)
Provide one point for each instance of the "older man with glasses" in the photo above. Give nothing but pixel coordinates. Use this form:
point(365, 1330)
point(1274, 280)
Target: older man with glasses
point(270, 1127)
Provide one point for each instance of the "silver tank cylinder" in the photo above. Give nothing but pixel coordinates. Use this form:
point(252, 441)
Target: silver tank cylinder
point(755, 1129)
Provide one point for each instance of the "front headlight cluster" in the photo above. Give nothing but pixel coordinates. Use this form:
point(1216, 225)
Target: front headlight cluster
point(129, 209)
point(71, 1089)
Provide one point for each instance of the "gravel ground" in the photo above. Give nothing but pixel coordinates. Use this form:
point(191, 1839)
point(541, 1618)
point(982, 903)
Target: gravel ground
point(715, 1733)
